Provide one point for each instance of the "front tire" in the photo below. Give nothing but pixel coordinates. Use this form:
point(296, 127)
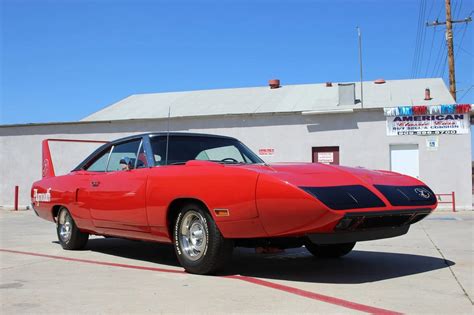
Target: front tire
point(329, 250)
point(69, 236)
point(198, 243)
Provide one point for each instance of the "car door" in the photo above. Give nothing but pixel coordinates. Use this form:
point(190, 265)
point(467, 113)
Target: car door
point(117, 196)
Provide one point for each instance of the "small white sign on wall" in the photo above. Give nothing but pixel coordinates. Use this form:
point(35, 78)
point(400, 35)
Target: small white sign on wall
point(326, 157)
point(266, 151)
point(432, 143)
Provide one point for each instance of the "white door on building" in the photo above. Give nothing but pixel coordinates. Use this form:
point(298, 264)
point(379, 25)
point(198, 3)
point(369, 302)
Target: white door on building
point(404, 159)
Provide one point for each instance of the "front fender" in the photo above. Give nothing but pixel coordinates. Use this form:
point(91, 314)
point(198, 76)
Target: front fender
point(231, 188)
point(285, 209)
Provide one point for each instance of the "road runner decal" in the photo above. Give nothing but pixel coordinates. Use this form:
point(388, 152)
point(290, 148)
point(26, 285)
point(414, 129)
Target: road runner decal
point(44, 197)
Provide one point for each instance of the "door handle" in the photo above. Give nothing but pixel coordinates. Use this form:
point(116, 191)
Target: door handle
point(95, 183)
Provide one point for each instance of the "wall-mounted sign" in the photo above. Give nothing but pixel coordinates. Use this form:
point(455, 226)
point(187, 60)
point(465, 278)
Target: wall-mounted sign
point(428, 124)
point(325, 157)
point(266, 151)
point(432, 143)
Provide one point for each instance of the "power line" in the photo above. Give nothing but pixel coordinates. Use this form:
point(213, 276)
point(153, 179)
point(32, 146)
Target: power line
point(438, 55)
point(455, 7)
point(444, 65)
point(439, 12)
point(417, 41)
point(450, 42)
point(420, 62)
point(442, 62)
point(438, 59)
point(465, 93)
point(431, 50)
point(456, 13)
point(464, 50)
point(420, 40)
point(463, 34)
point(462, 38)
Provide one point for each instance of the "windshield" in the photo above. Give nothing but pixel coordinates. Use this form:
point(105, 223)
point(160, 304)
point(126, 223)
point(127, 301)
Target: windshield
point(185, 148)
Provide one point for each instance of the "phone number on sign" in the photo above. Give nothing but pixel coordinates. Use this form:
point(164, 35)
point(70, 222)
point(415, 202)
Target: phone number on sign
point(437, 132)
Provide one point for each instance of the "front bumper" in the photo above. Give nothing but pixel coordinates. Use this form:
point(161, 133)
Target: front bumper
point(367, 226)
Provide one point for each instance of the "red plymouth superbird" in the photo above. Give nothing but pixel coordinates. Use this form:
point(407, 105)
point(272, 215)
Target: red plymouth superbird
point(206, 194)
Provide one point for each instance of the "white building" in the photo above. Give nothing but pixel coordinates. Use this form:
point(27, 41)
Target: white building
point(306, 123)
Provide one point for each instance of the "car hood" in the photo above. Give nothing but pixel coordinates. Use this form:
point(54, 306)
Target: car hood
point(319, 175)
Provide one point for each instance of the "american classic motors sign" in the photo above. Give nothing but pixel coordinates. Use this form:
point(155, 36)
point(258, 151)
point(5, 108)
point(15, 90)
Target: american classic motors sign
point(423, 120)
point(428, 124)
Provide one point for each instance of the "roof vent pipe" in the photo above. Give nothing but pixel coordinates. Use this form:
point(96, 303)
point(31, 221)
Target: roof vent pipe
point(379, 81)
point(427, 94)
point(274, 83)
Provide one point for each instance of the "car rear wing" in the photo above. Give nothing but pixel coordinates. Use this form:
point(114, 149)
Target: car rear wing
point(47, 161)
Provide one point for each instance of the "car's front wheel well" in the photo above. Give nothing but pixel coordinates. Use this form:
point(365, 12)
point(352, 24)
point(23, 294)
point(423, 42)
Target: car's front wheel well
point(174, 208)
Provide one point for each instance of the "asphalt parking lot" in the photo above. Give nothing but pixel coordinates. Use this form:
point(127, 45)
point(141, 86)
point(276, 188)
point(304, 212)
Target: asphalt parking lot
point(429, 270)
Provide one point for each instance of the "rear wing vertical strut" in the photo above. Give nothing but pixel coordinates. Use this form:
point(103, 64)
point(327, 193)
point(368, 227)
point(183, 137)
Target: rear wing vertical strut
point(47, 162)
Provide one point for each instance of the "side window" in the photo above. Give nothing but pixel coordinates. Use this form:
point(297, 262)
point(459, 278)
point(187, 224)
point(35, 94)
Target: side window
point(100, 163)
point(158, 145)
point(123, 156)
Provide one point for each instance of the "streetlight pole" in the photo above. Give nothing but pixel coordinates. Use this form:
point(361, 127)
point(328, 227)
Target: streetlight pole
point(361, 74)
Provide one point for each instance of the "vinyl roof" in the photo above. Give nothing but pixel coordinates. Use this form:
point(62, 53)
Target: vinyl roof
point(260, 100)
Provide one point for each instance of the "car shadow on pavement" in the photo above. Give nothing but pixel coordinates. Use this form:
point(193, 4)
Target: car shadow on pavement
point(360, 266)
point(158, 253)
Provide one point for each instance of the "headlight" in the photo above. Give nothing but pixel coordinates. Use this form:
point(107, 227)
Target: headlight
point(408, 195)
point(345, 197)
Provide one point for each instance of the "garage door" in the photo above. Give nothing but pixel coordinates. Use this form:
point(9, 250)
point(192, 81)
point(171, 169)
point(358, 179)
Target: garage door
point(404, 159)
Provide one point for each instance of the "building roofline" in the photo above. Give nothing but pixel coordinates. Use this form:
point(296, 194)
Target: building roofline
point(83, 122)
point(282, 86)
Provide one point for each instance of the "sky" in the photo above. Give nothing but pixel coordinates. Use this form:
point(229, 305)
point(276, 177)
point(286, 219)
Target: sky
point(62, 60)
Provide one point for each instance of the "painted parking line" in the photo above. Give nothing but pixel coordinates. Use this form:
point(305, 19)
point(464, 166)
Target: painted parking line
point(317, 296)
point(255, 281)
point(446, 218)
point(88, 261)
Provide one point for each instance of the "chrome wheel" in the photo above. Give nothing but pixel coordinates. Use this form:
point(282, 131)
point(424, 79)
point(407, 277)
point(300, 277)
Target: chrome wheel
point(69, 236)
point(65, 226)
point(193, 235)
point(198, 243)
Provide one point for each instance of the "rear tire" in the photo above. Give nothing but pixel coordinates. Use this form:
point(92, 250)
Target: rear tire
point(329, 250)
point(198, 243)
point(69, 235)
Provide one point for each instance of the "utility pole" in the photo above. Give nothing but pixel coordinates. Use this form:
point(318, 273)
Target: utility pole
point(449, 41)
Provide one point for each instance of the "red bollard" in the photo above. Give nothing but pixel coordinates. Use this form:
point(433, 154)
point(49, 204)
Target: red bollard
point(454, 201)
point(16, 197)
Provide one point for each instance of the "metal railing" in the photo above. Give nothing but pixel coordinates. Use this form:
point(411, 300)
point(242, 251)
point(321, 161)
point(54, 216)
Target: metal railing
point(452, 201)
